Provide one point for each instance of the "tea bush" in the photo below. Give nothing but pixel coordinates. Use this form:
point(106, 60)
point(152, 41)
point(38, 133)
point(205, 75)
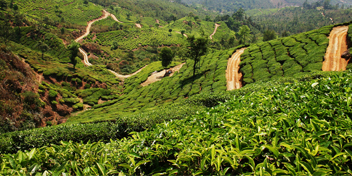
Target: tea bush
point(297, 128)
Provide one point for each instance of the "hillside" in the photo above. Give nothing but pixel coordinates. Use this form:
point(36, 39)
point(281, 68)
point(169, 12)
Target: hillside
point(159, 87)
point(229, 6)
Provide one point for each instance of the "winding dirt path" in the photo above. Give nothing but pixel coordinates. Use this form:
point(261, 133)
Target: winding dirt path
point(337, 45)
point(216, 28)
point(159, 75)
point(85, 56)
point(233, 76)
point(126, 76)
point(181, 33)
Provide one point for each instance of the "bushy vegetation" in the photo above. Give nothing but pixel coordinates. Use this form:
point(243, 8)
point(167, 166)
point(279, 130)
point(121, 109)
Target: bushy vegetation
point(261, 129)
point(136, 38)
point(54, 12)
point(210, 78)
point(297, 19)
point(290, 57)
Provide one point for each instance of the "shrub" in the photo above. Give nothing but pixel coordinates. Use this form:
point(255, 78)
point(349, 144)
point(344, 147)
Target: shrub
point(52, 93)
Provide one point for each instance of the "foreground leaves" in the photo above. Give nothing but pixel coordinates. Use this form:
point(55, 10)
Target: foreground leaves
point(296, 129)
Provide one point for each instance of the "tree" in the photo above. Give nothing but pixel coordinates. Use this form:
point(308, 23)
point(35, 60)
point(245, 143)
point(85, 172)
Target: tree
point(74, 49)
point(170, 30)
point(15, 7)
point(183, 32)
point(239, 14)
point(43, 47)
point(114, 46)
point(173, 17)
point(197, 47)
point(166, 56)
point(244, 32)
point(85, 2)
point(207, 18)
point(269, 35)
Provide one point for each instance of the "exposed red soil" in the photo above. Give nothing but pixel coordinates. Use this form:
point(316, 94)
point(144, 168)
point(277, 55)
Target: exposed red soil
point(233, 76)
point(337, 46)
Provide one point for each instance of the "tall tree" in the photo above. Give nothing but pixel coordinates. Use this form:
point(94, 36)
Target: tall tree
point(43, 47)
point(197, 47)
point(74, 49)
point(269, 35)
point(166, 56)
point(244, 32)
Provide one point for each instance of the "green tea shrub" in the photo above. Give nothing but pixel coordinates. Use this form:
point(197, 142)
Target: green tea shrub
point(52, 93)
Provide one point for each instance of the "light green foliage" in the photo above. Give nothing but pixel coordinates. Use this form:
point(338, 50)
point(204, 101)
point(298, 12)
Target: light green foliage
point(290, 56)
point(135, 38)
point(210, 78)
point(269, 129)
point(73, 11)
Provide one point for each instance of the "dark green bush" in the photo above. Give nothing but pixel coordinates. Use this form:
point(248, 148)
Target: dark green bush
point(52, 93)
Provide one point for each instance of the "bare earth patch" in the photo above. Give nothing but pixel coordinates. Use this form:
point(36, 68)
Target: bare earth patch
point(337, 46)
point(233, 76)
point(159, 75)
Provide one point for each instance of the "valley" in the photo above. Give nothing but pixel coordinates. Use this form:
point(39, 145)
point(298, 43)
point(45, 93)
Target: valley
point(186, 87)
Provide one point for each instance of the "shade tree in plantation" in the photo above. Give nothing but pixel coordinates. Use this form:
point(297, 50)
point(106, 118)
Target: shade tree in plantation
point(197, 47)
point(269, 35)
point(244, 32)
point(166, 56)
point(74, 49)
point(43, 47)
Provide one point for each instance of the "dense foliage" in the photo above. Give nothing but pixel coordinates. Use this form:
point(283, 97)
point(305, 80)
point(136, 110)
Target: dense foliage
point(280, 129)
point(297, 19)
point(290, 56)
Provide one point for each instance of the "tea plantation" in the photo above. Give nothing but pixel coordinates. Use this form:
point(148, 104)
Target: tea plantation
point(296, 128)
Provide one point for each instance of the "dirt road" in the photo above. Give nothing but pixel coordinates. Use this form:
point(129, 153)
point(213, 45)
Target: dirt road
point(216, 28)
point(337, 45)
point(126, 76)
point(85, 56)
point(159, 75)
point(233, 76)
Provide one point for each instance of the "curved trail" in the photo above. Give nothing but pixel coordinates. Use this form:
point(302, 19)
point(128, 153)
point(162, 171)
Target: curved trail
point(181, 33)
point(159, 75)
point(233, 76)
point(337, 45)
point(216, 28)
point(85, 56)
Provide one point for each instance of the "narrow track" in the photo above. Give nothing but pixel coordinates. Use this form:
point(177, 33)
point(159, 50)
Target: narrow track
point(233, 76)
point(216, 28)
point(85, 56)
point(337, 45)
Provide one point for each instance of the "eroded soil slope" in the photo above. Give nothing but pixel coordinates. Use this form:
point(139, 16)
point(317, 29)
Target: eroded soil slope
point(233, 76)
point(337, 45)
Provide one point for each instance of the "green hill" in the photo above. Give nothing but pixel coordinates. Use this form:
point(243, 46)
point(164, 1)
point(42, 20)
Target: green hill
point(61, 116)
